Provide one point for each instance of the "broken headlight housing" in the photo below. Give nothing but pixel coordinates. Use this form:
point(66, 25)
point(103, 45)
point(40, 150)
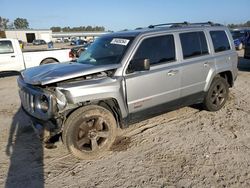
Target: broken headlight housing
point(43, 103)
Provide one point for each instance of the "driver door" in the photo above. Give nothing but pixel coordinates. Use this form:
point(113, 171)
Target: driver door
point(160, 84)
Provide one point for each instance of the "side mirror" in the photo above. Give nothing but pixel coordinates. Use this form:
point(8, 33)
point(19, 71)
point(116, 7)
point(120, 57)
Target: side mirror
point(139, 65)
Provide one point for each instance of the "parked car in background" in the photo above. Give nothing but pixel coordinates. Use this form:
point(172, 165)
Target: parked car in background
point(12, 58)
point(65, 40)
point(75, 52)
point(128, 75)
point(38, 42)
point(247, 50)
point(59, 40)
point(78, 42)
point(240, 37)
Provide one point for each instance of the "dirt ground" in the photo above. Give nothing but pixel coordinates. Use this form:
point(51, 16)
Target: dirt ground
point(182, 148)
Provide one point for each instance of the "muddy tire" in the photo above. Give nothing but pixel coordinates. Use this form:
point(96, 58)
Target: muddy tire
point(48, 61)
point(217, 94)
point(89, 132)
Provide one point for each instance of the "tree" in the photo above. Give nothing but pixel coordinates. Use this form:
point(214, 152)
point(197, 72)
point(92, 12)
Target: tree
point(21, 23)
point(89, 28)
point(11, 25)
point(247, 24)
point(3, 23)
point(66, 29)
point(56, 29)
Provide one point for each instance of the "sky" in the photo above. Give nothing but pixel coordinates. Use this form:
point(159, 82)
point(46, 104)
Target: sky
point(127, 14)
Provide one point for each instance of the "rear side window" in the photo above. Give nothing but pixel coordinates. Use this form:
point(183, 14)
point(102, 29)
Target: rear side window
point(157, 49)
point(193, 44)
point(220, 41)
point(6, 47)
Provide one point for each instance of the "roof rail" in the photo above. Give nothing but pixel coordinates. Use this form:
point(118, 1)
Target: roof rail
point(181, 24)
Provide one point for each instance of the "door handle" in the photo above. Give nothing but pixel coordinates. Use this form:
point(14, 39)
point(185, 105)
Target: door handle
point(172, 72)
point(12, 56)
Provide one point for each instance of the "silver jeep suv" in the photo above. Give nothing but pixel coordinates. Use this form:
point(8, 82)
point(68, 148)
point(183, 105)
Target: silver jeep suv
point(125, 76)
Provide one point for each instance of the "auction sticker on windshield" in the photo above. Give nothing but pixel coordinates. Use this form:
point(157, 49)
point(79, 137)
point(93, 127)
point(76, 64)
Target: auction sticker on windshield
point(118, 41)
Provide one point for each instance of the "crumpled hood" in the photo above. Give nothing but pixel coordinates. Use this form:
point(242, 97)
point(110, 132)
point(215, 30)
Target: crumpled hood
point(56, 72)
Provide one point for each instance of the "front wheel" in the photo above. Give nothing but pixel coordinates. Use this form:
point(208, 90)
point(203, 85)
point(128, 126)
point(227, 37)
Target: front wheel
point(217, 94)
point(89, 132)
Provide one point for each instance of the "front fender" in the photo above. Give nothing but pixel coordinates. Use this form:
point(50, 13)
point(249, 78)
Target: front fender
point(95, 90)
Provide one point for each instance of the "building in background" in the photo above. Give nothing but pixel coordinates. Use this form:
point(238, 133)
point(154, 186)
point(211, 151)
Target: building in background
point(28, 35)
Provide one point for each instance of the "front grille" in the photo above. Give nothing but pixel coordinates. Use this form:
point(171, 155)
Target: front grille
point(27, 100)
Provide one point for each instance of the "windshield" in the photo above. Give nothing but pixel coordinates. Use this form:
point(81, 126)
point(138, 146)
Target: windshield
point(105, 50)
point(237, 34)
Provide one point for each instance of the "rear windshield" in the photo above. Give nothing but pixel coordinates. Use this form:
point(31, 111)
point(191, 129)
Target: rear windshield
point(105, 50)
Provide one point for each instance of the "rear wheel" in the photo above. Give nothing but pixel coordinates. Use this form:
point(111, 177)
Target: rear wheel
point(217, 94)
point(89, 132)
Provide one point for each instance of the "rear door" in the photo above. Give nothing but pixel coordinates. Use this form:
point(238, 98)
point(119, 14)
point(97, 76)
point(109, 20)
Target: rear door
point(161, 83)
point(9, 60)
point(196, 63)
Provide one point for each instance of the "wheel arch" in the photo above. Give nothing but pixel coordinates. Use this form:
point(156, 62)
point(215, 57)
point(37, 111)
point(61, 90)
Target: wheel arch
point(113, 106)
point(110, 104)
point(48, 58)
point(226, 74)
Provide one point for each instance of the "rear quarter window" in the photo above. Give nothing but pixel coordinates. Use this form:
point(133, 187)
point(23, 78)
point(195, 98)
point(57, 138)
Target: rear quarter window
point(220, 41)
point(6, 47)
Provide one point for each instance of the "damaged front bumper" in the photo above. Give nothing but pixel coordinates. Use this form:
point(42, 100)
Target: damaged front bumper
point(45, 130)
